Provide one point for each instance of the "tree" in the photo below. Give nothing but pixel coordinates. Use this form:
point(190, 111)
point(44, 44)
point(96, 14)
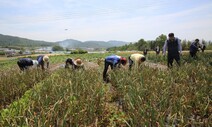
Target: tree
point(160, 40)
point(57, 48)
point(184, 45)
point(141, 44)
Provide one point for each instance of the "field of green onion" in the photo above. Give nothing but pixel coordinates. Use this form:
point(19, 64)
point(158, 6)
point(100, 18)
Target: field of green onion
point(141, 97)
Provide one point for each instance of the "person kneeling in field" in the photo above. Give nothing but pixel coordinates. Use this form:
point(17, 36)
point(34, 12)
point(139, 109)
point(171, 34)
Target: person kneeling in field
point(24, 63)
point(136, 59)
point(113, 61)
point(76, 64)
point(42, 60)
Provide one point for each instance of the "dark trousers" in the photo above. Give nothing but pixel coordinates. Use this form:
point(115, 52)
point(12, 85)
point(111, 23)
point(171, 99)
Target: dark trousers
point(107, 64)
point(193, 54)
point(171, 59)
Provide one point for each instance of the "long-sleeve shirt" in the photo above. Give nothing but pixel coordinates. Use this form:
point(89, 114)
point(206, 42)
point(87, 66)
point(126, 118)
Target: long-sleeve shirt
point(166, 46)
point(136, 58)
point(114, 59)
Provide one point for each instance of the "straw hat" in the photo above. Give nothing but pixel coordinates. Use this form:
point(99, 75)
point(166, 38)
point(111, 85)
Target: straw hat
point(78, 62)
point(45, 58)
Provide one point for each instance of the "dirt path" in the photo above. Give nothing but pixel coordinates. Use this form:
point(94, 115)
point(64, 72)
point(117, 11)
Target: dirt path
point(156, 66)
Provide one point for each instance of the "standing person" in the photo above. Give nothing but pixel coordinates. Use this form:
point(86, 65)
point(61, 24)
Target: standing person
point(174, 49)
point(145, 51)
point(194, 48)
point(42, 60)
point(24, 63)
point(136, 59)
point(157, 50)
point(113, 61)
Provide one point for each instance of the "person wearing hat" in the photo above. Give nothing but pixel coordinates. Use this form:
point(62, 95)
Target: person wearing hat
point(24, 63)
point(174, 49)
point(136, 59)
point(78, 64)
point(113, 61)
point(194, 48)
point(42, 60)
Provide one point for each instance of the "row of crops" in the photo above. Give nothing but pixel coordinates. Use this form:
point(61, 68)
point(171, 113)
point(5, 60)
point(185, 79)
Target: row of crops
point(180, 96)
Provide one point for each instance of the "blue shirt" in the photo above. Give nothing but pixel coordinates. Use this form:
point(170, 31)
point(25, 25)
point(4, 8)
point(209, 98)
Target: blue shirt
point(40, 59)
point(113, 59)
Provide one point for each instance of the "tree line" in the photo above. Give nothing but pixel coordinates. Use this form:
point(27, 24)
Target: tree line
point(152, 44)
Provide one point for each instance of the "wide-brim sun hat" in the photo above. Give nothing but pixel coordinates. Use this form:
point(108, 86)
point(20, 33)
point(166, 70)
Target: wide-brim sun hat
point(45, 58)
point(78, 62)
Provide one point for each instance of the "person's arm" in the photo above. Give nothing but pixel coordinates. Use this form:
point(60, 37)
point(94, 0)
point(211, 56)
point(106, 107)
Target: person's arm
point(179, 46)
point(115, 62)
point(164, 48)
point(47, 65)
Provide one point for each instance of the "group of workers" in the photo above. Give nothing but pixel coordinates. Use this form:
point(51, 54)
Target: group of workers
point(173, 45)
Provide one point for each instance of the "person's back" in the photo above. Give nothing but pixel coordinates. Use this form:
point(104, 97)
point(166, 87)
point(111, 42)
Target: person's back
point(173, 47)
point(42, 59)
point(114, 59)
point(24, 63)
point(136, 59)
point(193, 47)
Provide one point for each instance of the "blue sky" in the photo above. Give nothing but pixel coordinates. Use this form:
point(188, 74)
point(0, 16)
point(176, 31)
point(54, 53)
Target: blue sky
point(126, 20)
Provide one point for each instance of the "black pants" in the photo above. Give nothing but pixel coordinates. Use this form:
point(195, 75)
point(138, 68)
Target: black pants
point(193, 54)
point(171, 59)
point(107, 64)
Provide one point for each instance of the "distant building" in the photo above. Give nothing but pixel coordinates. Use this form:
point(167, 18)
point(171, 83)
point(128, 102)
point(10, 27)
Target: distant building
point(10, 52)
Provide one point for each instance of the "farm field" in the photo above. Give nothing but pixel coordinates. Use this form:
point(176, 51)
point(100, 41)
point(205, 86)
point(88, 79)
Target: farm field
point(180, 96)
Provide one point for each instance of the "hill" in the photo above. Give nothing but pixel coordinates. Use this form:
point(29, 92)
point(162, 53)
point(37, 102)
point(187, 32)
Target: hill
point(9, 41)
point(6, 40)
point(71, 43)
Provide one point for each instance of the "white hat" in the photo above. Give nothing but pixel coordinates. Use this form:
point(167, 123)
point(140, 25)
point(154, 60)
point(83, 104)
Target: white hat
point(45, 58)
point(78, 62)
point(35, 62)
